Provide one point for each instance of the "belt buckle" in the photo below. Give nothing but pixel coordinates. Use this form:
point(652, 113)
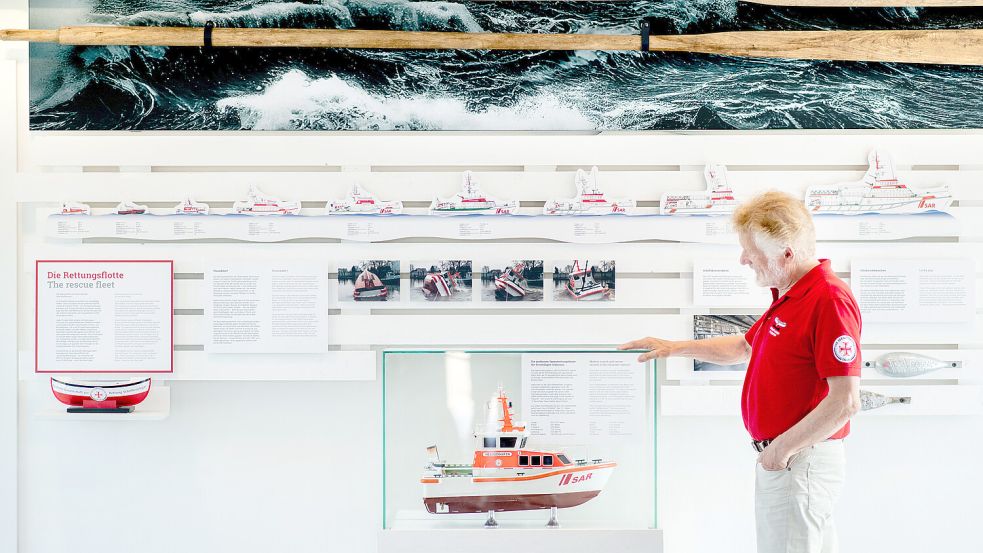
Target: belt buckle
point(760, 446)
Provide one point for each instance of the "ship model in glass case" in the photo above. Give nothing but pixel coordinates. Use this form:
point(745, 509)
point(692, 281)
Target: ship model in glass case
point(508, 473)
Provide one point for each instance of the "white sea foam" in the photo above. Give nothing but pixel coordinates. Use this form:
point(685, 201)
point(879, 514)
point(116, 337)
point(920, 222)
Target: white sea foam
point(271, 14)
point(294, 101)
point(414, 16)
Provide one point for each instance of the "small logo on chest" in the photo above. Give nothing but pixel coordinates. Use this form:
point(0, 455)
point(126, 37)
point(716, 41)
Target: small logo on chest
point(776, 326)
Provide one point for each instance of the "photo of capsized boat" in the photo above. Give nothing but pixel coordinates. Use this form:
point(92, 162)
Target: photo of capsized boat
point(718, 199)
point(372, 280)
point(106, 393)
point(582, 281)
point(127, 207)
point(470, 200)
point(440, 280)
point(521, 279)
point(360, 202)
point(879, 191)
point(259, 203)
point(507, 473)
point(590, 200)
point(190, 207)
point(75, 208)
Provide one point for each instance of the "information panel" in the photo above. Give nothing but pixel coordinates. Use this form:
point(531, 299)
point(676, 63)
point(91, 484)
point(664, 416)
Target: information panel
point(104, 316)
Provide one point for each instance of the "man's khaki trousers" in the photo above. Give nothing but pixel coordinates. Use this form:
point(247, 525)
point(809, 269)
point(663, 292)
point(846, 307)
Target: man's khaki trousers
point(793, 507)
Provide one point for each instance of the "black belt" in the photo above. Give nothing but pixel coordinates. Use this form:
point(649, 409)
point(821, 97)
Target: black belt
point(760, 446)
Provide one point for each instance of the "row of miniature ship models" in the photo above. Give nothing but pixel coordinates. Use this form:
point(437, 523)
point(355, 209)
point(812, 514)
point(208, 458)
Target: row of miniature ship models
point(879, 191)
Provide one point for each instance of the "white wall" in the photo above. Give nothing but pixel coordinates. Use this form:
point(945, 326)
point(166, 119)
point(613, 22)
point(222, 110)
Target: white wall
point(264, 465)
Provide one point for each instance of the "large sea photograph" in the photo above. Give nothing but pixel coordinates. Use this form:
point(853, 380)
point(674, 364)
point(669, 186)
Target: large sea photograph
point(275, 89)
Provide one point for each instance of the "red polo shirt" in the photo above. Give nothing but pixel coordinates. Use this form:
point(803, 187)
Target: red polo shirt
point(807, 335)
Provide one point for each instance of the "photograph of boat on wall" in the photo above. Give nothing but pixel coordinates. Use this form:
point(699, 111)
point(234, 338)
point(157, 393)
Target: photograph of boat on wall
point(583, 280)
point(440, 280)
point(515, 280)
point(372, 280)
point(186, 88)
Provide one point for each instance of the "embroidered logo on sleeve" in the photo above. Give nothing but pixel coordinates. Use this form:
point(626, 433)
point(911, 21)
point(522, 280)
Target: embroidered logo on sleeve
point(845, 349)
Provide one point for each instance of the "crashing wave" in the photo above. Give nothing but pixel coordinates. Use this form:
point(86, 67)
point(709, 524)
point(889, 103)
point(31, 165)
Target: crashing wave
point(295, 101)
point(273, 14)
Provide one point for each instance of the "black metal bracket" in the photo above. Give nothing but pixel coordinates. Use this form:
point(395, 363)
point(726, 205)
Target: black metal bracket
point(645, 29)
point(207, 38)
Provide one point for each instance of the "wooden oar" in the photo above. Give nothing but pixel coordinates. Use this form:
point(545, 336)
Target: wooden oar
point(958, 46)
point(869, 3)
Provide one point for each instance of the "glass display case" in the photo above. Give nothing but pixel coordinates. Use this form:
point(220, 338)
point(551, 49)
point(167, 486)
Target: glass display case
point(518, 439)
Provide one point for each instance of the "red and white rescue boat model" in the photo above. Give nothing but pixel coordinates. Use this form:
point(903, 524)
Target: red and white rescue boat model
point(718, 199)
point(127, 207)
point(259, 203)
point(75, 208)
point(879, 191)
point(190, 207)
point(470, 200)
point(82, 395)
point(369, 287)
point(590, 200)
point(506, 475)
point(361, 202)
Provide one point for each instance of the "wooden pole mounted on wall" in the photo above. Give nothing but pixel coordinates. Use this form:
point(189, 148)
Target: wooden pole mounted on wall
point(955, 46)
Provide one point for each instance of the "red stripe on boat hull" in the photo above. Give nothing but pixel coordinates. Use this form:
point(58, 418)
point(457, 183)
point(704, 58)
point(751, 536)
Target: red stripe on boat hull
point(530, 502)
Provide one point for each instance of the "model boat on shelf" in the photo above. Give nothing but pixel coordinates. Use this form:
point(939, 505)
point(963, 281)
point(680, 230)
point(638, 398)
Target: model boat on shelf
point(582, 286)
point(75, 208)
point(369, 287)
point(900, 364)
point(127, 207)
point(511, 284)
point(508, 474)
point(119, 393)
point(879, 191)
point(259, 203)
point(872, 400)
point(360, 202)
point(190, 207)
point(718, 199)
point(470, 200)
point(590, 200)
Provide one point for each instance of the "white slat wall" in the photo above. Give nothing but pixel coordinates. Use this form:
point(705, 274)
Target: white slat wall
point(654, 289)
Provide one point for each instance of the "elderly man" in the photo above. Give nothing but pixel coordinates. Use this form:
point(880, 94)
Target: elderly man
point(802, 382)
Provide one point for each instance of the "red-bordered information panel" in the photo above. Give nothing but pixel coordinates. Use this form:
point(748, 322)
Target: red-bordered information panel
point(104, 316)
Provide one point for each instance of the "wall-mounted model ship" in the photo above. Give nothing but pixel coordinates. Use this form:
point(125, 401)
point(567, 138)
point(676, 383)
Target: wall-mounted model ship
point(507, 475)
point(879, 191)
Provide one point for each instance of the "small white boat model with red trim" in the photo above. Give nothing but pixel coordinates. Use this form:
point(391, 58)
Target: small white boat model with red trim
point(127, 207)
point(75, 208)
point(259, 203)
point(718, 199)
point(590, 200)
point(190, 207)
point(100, 393)
point(879, 191)
point(508, 475)
point(360, 202)
point(470, 200)
point(581, 285)
point(369, 287)
point(511, 284)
